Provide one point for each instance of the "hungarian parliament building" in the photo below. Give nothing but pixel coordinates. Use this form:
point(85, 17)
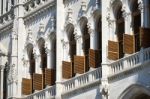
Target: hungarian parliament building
point(74, 49)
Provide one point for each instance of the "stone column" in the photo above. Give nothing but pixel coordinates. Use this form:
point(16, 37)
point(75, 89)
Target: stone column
point(112, 27)
point(37, 57)
point(93, 38)
point(50, 58)
point(145, 14)
point(9, 5)
point(79, 49)
point(4, 6)
point(127, 18)
point(66, 56)
point(0, 7)
point(1, 81)
point(113, 30)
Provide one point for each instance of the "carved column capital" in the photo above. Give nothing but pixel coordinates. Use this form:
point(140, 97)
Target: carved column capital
point(65, 44)
point(2, 67)
point(141, 6)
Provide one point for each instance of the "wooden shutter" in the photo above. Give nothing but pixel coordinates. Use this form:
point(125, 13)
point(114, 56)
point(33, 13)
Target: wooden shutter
point(79, 64)
point(26, 86)
point(129, 44)
point(37, 81)
point(94, 58)
point(145, 37)
point(113, 50)
point(67, 69)
point(50, 76)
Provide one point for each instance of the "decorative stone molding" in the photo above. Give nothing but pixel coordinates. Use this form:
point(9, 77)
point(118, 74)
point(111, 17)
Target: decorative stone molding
point(12, 74)
point(77, 36)
point(83, 5)
point(29, 36)
point(109, 20)
point(69, 15)
point(104, 91)
point(41, 27)
point(53, 23)
point(65, 43)
point(90, 29)
point(2, 67)
point(141, 5)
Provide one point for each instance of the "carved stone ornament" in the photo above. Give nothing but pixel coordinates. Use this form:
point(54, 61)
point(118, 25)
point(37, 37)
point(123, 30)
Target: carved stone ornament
point(83, 5)
point(29, 36)
point(12, 74)
point(41, 27)
point(65, 44)
point(77, 36)
point(90, 28)
point(141, 5)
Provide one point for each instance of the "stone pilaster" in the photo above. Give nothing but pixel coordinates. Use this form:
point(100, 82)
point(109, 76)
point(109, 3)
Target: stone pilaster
point(2, 67)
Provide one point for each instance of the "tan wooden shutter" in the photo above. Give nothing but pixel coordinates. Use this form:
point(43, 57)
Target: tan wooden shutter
point(113, 50)
point(129, 44)
point(37, 81)
point(79, 64)
point(26, 86)
point(67, 69)
point(50, 76)
point(94, 58)
point(145, 37)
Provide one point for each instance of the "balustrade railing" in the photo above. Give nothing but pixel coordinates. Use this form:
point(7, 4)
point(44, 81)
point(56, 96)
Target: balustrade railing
point(129, 61)
point(43, 94)
point(81, 80)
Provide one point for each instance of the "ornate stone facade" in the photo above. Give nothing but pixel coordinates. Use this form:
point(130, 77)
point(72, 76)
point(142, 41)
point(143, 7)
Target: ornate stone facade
point(74, 49)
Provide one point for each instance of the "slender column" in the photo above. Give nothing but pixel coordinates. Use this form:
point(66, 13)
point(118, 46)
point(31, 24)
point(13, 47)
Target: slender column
point(145, 14)
point(66, 55)
point(93, 38)
point(50, 58)
point(4, 6)
point(113, 30)
point(0, 7)
point(112, 27)
point(127, 17)
point(37, 61)
point(2, 78)
point(79, 46)
point(9, 5)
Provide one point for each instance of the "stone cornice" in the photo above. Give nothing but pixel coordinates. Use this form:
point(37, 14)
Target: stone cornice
point(39, 10)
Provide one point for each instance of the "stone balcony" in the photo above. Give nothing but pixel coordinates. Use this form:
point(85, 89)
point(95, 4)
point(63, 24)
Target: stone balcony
point(91, 78)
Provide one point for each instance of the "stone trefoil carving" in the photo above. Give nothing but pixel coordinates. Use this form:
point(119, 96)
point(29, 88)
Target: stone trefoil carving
point(69, 15)
point(41, 27)
point(83, 5)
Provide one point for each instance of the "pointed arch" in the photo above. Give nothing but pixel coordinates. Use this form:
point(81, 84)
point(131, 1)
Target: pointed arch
point(135, 91)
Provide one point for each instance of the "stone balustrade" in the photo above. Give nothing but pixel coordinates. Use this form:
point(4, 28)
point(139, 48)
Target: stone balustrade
point(129, 62)
point(92, 76)
point(81, 80)
point(49, 92)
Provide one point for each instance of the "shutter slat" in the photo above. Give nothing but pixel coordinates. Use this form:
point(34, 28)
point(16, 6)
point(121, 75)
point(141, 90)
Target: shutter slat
point(129, 44)
point(113, 50)
point(37, 81)
point(80, 64)
point(50, 76)
point(26, 86)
